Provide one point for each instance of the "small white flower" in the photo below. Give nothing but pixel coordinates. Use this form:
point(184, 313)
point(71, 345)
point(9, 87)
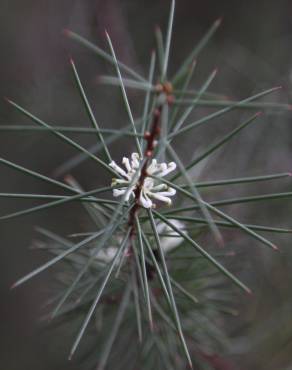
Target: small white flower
point(150, 190)
point(172, 239)
point(106, 254)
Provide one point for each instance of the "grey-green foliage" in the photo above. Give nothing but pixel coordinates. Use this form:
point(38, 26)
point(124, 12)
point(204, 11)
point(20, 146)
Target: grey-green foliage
point(137, 303)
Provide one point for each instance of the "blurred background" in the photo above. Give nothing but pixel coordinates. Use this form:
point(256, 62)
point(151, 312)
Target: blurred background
point(252, 50)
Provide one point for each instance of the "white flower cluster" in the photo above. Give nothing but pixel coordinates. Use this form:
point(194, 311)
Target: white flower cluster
point(150, 189)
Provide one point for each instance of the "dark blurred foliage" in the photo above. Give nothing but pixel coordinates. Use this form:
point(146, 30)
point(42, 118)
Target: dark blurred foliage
point(252, 51)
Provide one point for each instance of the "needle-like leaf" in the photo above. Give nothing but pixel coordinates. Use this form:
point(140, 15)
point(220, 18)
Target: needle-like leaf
point(157, 268)
point(129, 83)
point(114, 224)
point(60, 200)
point(147, 97)
point(100, 291)
point(137, 304)
point(239, 200)
point(115, 328)
point(255, 198)
point(78, 159)
point(89, 111)
point(267, 106)
point(62, 136)
point(194, 102)
point(225, 224)
point(164, 131)
point(103, 54)
point(203, 252)
point(241, 226)
point(36, 174)
point(196, 51)
point(160, 47)
point(179, 96)
point(169, 288)
point(109, 231)
point(51, 196)
point(57, 259)
point(124, 94)
point(68, 129)
point(208, 118)
point(144, 271)
point(168, 42)
point(212, 148)
point(242, 180)
point(197, 196)
point(181, 289)
point(223, 215)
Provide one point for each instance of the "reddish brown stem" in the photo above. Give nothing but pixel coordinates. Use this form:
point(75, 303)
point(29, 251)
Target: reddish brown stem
point(150, 138)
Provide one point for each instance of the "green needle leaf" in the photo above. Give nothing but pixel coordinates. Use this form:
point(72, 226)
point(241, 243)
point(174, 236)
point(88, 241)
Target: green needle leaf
point(220, 112)
point(180, 94)
point(124, 95)
point(89, 111)
point(160, 47)
point(77, 160)
point(98, 296)
point(68, 129)
point(56, 259)
point(181, 289)
point(116, 326)
point(194, 102)
point(163, 135)
point(114, 223)
point(168, 42)
point(138, 266)
point(61, 136)
point(225, 202)
point(103, 54)
point(50, 196)
point(227, 103)
point(147, 97)
point(144, 272)
point(242, 180)
point(241, 226)
point(109, 231)
point(197, 197)
point(222, 215)
point(157, 268)
point(60, 200)
point(137, 305)
point(169, 288)
point(131, 84)
point(203, 252)
point(228, 224)
point(196, 51)
point(219, 143)
point(255, 198)
point(35, 174)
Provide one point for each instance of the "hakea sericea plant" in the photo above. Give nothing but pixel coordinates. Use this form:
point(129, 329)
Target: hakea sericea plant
point(141, 273)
